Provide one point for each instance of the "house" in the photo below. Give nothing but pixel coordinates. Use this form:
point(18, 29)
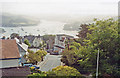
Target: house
point(9, 51)
point(37, 41)
point(23, 51)
point(50, 43)
point(10, 59)
point(59, 44)
point(34, 40)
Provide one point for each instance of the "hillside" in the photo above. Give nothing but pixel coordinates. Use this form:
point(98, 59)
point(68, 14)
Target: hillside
point(9, 20)
point(75, 25)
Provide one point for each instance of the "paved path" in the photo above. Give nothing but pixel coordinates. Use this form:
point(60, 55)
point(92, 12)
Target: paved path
point(50, 61)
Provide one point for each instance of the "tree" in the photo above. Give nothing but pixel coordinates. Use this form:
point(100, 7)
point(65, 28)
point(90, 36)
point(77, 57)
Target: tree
point(83, 31)
point(13, 35)
point(41, 54)
point(104, 36)
point(58, 72)
point(27, 42)
point(69, 57)
point(35, 57)
point(64, 71)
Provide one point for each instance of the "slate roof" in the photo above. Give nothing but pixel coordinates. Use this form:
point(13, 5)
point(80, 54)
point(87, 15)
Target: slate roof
point(23, 46)
point(9, 49)
point(30, 38)
point(67, 36)
point(15, 71)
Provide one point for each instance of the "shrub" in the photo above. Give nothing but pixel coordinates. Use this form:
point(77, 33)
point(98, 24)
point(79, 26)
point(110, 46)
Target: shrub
point(65, 71)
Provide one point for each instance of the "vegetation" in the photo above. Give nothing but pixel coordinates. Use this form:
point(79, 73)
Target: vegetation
point(60, 71)
point(42, 45)
point(65, 71)
point(37, 75)
point(27, 42)
point(102, 35)
point(9, 20)
point(35, 57)
point(46, 37)
point(13, 35)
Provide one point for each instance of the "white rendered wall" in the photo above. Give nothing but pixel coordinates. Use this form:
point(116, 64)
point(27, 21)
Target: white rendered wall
point(9, 63)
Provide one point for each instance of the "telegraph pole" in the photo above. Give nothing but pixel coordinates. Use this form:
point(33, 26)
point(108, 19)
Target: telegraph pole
point(97, 64)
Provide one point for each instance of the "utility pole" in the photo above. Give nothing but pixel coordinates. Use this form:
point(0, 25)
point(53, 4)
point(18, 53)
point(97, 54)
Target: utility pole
point(97, 64)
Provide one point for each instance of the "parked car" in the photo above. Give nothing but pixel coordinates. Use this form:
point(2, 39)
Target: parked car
point(35, 67)
point(29, 65)
point(54, 53)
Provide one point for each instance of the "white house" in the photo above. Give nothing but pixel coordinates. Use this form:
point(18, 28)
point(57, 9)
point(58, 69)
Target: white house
point(9, 51)
point(37, 41)
point(59, 44)
point(23, 51)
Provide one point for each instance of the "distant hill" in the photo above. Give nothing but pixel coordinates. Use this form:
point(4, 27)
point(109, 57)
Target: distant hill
point(9, 20)
point(75, 25)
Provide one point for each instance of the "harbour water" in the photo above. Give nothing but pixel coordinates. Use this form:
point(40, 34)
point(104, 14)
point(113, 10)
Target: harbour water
point(43, 28)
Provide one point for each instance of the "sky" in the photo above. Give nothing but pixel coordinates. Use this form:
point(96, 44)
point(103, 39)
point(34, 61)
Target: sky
point(69, 7)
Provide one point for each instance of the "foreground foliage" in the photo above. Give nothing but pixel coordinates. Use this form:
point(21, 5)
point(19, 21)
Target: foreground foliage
point(102, 35)
point(58, 72)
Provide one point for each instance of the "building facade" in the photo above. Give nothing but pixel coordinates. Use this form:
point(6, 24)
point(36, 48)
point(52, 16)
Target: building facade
point(10, 56)
point(59, 44)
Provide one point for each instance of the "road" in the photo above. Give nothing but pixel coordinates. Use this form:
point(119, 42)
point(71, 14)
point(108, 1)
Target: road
point(50, 62)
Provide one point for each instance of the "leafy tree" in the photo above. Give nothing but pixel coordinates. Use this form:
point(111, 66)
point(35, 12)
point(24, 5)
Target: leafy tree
point(35, 57)
point(83, 31)
point(77, 45)
point(27, 42)
point(13, 35)
point(58, 72)
point(64, 71)
point(69, 57)
point(104, 36)
point(41, 53)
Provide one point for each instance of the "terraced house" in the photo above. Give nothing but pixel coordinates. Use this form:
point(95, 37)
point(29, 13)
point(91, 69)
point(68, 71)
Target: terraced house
point(10, 59)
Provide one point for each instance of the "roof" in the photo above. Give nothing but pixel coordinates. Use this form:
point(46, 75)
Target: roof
point(9, 49)
point(23, 46)
point(30, 38)
point(68, 36)
point(15, 71)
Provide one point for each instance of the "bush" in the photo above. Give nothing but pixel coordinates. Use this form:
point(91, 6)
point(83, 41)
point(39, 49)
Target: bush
point(27, 42)
point(37, 75)
point(65, 71)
